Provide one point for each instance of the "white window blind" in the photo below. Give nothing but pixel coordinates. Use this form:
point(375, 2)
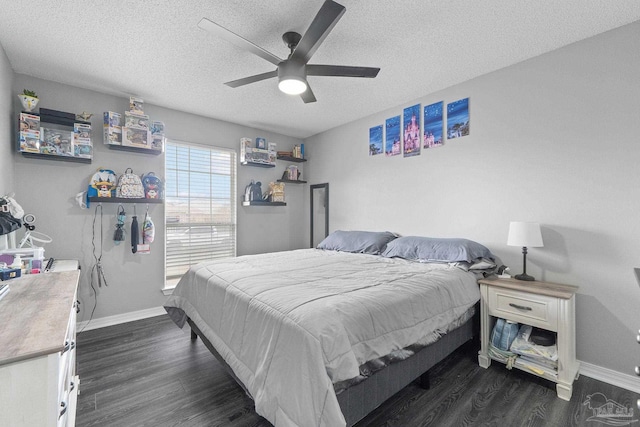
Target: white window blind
point(200, 203)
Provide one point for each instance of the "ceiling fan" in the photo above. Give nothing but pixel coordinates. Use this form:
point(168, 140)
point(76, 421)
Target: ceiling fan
point(292, 72)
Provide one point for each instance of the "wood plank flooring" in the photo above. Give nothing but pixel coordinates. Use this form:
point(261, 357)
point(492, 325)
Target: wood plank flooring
point(150, 373)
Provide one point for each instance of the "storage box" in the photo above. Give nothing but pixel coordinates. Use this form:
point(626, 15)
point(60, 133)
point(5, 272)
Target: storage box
point(56, 141)
point(30, 141)
point(136, 105)
point(112, 135)
point(82, 133)
point(132, 120)
point(248, 154)
point(9, 273)
point(84, 151)
point(135, 137)
point(112, 119)
point(29, 122)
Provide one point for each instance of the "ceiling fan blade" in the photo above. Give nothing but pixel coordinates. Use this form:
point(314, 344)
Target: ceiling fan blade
point(341, 71)
point(308, 96)
point(252, 79)
point(238, 40)
point(327, 17)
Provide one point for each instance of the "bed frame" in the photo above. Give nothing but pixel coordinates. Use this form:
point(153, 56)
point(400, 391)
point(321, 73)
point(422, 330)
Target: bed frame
point(359, 400)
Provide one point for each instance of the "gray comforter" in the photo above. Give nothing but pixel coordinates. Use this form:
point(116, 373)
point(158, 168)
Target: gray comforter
point(291, 324)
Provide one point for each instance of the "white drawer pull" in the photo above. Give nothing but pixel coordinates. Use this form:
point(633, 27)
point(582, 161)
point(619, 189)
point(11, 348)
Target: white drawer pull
point(67, 347)
point(520, 307)
point(63, 405)
point(638, 371)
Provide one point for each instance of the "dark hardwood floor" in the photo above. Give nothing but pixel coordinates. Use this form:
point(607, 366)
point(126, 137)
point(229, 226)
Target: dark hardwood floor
point(150, 373)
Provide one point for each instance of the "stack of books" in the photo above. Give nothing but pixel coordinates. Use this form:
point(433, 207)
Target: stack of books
point(537, 358)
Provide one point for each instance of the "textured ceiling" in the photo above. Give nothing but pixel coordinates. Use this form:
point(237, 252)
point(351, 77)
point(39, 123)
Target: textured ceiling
point(155, 50)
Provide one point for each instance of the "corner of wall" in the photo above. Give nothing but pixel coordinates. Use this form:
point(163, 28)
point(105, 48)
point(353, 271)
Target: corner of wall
point(6, 151)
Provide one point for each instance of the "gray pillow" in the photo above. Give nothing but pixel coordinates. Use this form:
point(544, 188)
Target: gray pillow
point(365, 242)
point(436, 249)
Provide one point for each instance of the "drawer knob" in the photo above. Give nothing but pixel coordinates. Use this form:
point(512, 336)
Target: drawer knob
point(638, 371)
point(520, 307)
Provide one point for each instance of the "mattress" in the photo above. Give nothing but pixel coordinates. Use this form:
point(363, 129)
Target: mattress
point(291, 324)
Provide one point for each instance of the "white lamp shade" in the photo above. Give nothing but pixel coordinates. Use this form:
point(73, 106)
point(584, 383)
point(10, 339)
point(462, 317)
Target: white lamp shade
point(525, 234)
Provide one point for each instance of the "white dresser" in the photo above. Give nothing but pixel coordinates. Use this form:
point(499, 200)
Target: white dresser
point(38, 380)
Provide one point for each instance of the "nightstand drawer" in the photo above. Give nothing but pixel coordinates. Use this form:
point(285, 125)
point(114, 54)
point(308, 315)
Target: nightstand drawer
point(521, 307)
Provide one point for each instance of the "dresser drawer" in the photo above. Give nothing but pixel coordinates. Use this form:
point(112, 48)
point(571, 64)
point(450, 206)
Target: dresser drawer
point(522, 307)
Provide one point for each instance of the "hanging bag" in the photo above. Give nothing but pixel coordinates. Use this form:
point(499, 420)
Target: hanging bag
point(152, 186)
point(129, 186)
point(118, 236)
point(134, 234)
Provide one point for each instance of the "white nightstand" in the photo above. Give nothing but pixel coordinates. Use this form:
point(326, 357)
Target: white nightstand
point(544, 305)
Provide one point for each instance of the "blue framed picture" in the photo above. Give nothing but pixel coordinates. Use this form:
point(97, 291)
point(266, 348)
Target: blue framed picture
point(375, 140)
point(392, 136)
point(433, 125)
point(411, 131)
point(458, 118)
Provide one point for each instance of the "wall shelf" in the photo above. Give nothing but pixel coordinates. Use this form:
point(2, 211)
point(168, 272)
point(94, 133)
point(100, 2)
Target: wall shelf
point(263, 203)
point(124, 200)
point(259, 165)
point(292, 159)
point(135, 149)
point(55, 157)
point(293, 181)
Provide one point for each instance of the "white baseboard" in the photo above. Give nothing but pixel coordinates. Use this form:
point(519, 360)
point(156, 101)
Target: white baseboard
point(618, 379)
point(103, 322)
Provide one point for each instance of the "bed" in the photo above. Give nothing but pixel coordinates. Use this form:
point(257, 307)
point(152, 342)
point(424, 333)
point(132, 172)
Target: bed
point(312, 334)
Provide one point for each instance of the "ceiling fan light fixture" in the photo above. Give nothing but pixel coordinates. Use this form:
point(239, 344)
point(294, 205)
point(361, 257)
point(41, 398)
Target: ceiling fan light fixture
point(292, 85)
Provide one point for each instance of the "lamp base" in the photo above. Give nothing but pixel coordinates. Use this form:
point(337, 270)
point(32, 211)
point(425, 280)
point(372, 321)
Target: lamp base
point(525, 277)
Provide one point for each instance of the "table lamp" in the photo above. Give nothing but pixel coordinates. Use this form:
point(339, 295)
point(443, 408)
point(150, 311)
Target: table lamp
point(525, 234)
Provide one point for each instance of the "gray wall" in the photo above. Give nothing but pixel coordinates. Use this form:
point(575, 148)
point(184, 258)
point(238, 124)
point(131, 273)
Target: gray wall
point(553, 140)
point(6, 118)
point(47, 188)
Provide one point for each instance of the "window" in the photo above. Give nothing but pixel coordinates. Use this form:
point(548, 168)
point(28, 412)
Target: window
point(200, 204)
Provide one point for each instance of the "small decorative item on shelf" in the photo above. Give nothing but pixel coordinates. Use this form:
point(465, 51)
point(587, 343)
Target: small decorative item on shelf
point(292, 173)
point(157, 135)
point(132, 120)
point(112, 125)
point(82, 140)
point(29, 122)
point(57, 142)
point(276, 192)
point(29, 100)
point(84, 116)
point(136, 105)
point(298, 151)
point(135, 137)
point(261, 143)
point(250, 155)
point(30, 141)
